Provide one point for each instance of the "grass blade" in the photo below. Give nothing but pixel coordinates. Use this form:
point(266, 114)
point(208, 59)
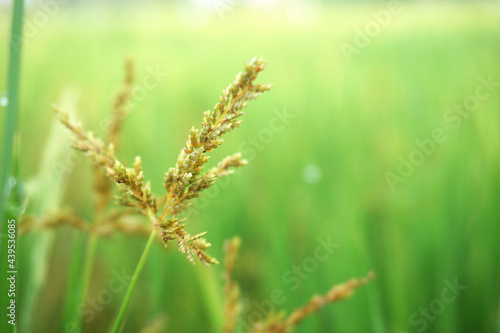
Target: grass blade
point(10, 129)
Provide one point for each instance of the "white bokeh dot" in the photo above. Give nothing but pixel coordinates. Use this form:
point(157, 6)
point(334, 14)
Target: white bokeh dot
point(312, 174)
point(4, 99)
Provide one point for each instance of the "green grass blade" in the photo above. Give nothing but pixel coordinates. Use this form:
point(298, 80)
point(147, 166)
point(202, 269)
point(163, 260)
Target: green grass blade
point(9, 131)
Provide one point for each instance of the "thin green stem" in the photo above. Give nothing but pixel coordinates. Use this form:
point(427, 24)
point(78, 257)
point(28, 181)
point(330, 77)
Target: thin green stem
point(13, 75)
point(133, 283)
point(87, 274)
point(73, 285)
point(14, 69)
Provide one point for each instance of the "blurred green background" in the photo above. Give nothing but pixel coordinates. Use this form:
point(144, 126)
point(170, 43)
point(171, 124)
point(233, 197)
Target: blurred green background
point(322, 175)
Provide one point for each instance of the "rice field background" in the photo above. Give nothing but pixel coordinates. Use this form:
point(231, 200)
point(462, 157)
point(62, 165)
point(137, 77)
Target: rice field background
point(386, 160)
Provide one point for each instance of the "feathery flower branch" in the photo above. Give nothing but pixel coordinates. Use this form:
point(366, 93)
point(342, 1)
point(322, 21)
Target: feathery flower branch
point(185, 181)
point(277, 322)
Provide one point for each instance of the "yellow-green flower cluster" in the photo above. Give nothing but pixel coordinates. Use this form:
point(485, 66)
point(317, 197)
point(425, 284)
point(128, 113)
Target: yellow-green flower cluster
point(86, 142)
point(185, 181)
point(134, 193)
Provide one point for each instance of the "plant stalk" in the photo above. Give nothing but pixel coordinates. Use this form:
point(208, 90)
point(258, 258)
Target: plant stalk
point(133, 283)
point(13, 75)
point(87, 275)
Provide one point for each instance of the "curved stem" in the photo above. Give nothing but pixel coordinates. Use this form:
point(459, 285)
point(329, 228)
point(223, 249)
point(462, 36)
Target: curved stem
point(133, 283)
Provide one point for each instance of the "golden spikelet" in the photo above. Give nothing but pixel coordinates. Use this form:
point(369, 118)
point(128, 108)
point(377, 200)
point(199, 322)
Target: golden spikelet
point(102, 184)
point(335, 294)
point(134, 192)
point(183, 182)
point(120, 105)
point(277, 323)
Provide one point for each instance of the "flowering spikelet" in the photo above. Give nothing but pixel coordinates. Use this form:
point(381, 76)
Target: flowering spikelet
point(131, 185)
point(232, 307)
point(191, 246)
point(134, 193)
point(183, 182)
point(120, 105)
point(186, 181)
point(133, 190)
point(277, 323)
point(86, 142)
point(102, 184)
